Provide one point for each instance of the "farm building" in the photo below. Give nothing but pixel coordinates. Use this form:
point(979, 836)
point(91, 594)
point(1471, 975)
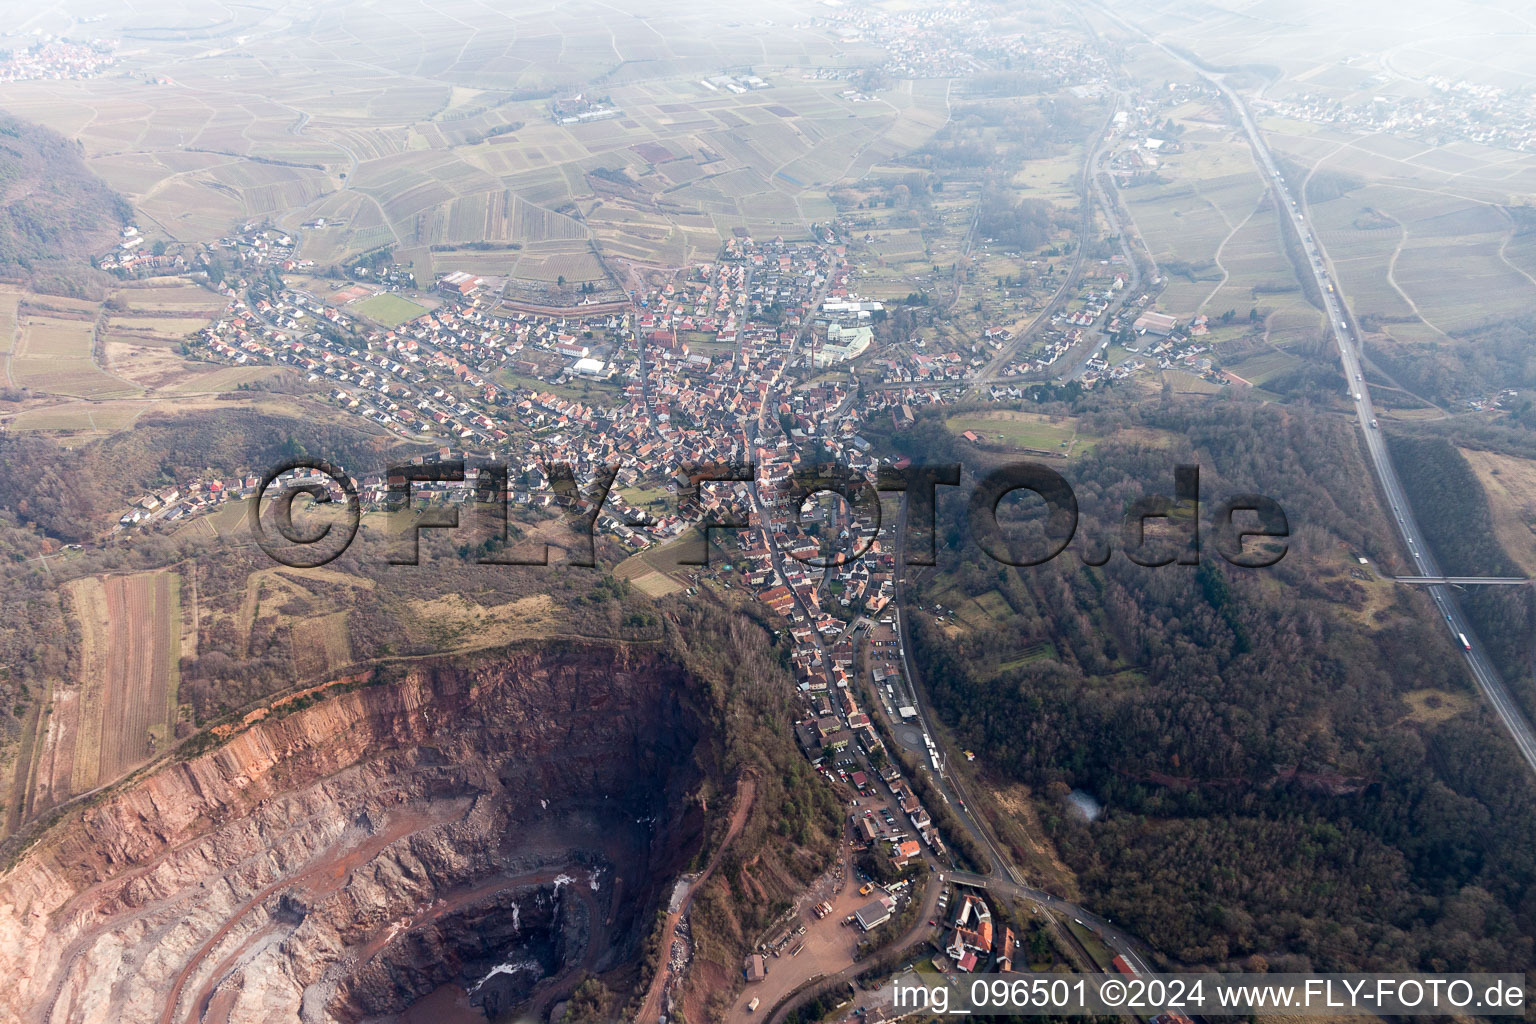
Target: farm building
point(458, 283)
point(1155, 323)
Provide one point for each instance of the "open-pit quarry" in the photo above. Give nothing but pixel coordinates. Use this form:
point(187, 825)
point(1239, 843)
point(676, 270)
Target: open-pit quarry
point(461, 840)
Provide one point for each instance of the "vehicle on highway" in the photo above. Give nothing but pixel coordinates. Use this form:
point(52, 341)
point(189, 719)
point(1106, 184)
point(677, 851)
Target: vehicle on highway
point(1464, 643)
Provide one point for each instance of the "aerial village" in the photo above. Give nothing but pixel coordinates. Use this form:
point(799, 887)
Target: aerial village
point(766, 356)
point(743, 360)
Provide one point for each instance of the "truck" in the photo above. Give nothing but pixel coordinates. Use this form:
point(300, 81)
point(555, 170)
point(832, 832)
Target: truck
point(753, 1005)
point(1464, 643)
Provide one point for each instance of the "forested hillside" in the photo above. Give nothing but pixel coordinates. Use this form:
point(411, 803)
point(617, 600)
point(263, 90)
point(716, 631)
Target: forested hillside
point(51, 206)
point(1291, 759)
point(73, 494)
point(1461, 535)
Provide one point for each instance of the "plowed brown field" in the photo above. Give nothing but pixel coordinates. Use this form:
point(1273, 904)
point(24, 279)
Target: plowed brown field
point(130, 634)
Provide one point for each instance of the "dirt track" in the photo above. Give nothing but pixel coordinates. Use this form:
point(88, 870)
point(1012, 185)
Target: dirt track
point(650, 1010)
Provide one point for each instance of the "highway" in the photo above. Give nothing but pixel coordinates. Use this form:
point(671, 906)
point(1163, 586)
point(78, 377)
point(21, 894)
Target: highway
point(1341, 324)
point(1484, 581)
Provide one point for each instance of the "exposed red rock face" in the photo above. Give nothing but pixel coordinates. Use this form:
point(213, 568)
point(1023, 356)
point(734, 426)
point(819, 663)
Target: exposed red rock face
point(500, 823)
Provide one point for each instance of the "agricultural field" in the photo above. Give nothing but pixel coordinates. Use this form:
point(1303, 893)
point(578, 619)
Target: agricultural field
point(1210, 226)
point(10, 299)
point(1393, 245)
point(110, 355)
point(121, 708)
point(83, 417)
point(453, 622)
point(643, 577)
point(1264, 367)
point(461, 145)
point(483, 263)
point(1184, 383)
point(55, 356)
point(155, 364)
point(1419, 233)
point(170, 298)
point(321, 646)
point(573, 268)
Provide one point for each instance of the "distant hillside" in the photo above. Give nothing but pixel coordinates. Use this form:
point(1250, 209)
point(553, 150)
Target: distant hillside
point(52, 208)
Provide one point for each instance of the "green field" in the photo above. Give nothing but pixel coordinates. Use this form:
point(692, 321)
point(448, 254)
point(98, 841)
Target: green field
point(388, 309)
point(1019, 430)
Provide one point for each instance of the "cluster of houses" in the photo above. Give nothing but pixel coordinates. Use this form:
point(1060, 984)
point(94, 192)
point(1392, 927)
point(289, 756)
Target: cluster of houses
point(130, 256)
point(960, 39)
point(832, 721)
point(475, 374)
point(1142, 136)
point(173, 503)
point(582, 109)
point(733, 83)
point(58, 59)
point(1447, 110)
point(974, 943)
point(1163, 338)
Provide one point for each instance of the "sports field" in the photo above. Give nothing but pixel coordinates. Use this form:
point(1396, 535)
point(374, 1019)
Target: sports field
point(387, 309)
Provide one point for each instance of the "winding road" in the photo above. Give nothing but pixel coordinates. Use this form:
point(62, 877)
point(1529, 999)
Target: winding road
point(650, 1007)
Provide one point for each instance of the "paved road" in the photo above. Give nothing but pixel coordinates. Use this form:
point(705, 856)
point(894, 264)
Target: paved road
point(1089, 187)
point(1117, 940)
point(1005, 877)
point(1340, 323)
point(1487, 581)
